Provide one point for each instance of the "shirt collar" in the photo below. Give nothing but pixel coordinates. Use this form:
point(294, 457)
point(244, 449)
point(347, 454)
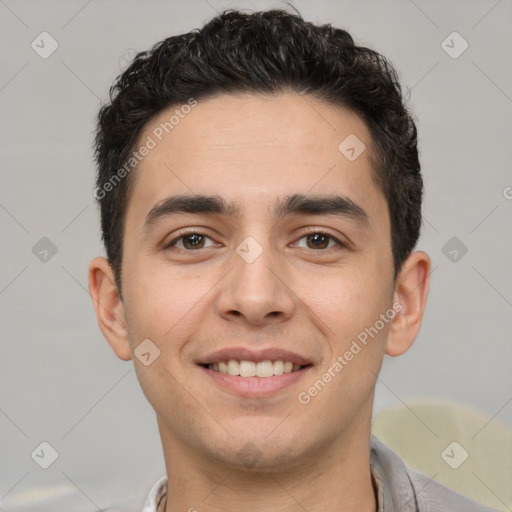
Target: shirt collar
point(157, 497)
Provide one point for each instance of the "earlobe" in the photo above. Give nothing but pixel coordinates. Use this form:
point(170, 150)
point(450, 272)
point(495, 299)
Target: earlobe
point(411, 291)
point(109, 307)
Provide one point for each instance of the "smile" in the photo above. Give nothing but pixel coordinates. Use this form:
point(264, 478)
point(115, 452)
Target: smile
point(251, 373)
point(260, 369)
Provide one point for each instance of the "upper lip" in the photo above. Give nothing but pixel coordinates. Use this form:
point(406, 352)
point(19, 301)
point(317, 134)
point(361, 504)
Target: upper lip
point(244, 354)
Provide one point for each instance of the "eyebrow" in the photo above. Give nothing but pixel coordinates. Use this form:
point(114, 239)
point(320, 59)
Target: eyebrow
point(295, 204)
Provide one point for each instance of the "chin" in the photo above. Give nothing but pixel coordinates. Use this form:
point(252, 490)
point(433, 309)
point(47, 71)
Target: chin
point(260, 451)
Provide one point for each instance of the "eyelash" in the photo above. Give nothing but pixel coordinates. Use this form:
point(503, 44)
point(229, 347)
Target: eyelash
point(185, 234)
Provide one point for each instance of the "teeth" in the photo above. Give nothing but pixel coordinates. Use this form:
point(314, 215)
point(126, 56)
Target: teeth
point(264, 369)
point(247, 369)
point(233, 367)
point(251, 369)
point(278, 368)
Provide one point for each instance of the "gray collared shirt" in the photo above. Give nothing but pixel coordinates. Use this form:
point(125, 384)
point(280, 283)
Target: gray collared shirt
point(399, 488)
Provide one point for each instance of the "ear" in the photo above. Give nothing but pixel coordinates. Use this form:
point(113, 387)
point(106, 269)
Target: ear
point(109, 307)
point(411, 290)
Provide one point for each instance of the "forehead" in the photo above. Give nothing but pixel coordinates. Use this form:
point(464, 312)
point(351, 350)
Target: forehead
point(254, 147)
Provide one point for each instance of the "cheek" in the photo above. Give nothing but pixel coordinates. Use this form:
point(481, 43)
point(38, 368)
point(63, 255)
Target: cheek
point(350, 301)
point(160, 308)
point(160, 304)
point(351, 308)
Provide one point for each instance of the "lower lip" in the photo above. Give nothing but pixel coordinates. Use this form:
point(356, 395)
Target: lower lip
point(253, 387)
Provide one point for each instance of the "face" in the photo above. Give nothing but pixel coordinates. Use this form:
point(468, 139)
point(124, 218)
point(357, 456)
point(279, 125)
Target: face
point(286, 265)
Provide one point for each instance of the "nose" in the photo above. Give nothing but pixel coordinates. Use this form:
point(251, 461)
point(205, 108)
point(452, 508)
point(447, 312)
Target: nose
point(256, 291)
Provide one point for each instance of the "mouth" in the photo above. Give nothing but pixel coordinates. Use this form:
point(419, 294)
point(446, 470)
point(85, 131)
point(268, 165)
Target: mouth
point(261, 369)
point(254, 374)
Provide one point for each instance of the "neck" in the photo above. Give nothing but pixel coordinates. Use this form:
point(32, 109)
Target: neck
point(335, 477)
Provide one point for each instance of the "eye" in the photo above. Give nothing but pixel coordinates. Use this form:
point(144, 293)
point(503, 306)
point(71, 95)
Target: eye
point(320, 240)
point(191, 240)
point(194, 240)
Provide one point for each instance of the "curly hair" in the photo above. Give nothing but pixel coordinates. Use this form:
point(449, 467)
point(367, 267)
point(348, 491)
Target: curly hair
point(268, 52)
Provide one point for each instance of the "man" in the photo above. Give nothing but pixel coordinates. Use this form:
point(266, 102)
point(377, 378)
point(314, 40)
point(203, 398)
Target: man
point(260, 196)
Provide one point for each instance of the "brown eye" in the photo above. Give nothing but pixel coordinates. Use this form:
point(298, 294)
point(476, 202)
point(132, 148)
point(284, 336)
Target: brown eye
point(193, 241)
point(189, 241)
point(318, 240)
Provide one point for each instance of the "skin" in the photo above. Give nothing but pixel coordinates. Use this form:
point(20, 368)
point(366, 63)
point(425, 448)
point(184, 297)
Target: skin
point(253, 150)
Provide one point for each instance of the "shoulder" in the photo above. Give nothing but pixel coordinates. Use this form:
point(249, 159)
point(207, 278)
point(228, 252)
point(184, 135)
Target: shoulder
point(433, 496)
point(404, 488)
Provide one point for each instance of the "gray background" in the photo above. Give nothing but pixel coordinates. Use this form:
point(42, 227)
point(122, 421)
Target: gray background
point(60, 381)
